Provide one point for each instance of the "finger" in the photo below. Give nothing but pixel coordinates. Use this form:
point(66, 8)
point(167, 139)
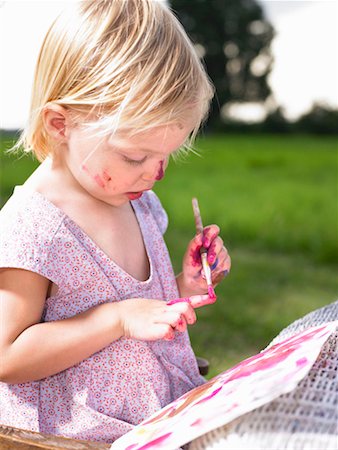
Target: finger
point(181, 324)
point(222, 270)
point(178, 300)
point(209, 234)
point(170, 316)
point(225, 262)
point(158, 331)
point(170, 334)
point(194, 250)
point(183, 307)
point(215, 248)
point(197, 301)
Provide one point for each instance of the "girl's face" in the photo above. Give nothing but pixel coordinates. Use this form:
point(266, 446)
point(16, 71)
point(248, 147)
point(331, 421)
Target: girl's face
point(120, 168)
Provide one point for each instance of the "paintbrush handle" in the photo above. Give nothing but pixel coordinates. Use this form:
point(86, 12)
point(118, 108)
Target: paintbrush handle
point(197, 216)
point(203, 250)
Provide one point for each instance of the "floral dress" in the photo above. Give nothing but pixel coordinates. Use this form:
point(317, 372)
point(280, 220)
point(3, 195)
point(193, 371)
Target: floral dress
point(102, 397)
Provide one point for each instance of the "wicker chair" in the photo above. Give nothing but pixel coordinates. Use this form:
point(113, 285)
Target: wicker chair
point(304, 419)
point(15, 438)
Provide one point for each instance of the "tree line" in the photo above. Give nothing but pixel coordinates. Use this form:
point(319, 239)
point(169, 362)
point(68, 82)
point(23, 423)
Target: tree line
point(233, 38)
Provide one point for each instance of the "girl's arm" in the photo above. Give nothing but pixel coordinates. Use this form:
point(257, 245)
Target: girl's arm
point(31, 349)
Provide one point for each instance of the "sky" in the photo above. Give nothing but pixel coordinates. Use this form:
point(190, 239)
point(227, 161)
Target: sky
point(305, 52)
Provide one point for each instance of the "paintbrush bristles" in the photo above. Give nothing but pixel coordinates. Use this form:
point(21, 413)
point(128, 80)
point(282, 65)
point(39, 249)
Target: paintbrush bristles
point(197, 215)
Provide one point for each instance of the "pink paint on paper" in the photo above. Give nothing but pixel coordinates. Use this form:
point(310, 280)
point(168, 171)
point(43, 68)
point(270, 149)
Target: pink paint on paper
point(302, 361)
point(208, 397)
point(154, 442)
point(250, 384)
point(197, 422)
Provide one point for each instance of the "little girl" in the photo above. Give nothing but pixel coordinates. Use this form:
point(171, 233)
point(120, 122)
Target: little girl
point(89, 346)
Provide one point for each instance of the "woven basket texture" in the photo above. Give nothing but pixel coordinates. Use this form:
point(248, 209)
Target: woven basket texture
point(304, 419)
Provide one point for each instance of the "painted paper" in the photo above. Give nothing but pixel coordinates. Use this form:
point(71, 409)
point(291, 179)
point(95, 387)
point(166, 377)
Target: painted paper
point(246, 386)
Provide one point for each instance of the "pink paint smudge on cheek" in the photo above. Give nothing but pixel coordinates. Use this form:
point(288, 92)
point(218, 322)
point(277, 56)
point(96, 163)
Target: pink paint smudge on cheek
point(84, 168)
point(99, 180)
point(160, 173)
point(106, 176)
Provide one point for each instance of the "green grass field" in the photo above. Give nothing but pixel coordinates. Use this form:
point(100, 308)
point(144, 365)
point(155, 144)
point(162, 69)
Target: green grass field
point(275, 199)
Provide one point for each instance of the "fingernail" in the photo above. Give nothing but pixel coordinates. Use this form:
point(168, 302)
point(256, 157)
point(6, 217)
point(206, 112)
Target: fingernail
point(211, 257)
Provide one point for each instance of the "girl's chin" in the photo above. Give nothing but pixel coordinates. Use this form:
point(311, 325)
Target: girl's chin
point(134, 195)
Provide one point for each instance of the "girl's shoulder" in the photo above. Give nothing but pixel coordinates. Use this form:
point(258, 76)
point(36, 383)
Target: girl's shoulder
point(29, 211)
point(28, 224)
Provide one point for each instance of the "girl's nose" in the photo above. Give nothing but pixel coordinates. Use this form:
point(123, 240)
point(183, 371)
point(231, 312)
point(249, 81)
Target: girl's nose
point(155, 172)
point(160, 173)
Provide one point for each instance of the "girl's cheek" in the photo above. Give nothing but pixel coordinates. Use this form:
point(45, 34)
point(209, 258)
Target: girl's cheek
point(106, 176)
point(100, 180)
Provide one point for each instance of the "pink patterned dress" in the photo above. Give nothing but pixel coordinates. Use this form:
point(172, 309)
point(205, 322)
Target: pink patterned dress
point(102, 397)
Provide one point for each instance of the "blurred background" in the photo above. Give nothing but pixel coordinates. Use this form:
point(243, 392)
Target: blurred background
point(266, 169)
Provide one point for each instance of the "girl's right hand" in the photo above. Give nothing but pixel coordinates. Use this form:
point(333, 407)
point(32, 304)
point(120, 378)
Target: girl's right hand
point(150, 319)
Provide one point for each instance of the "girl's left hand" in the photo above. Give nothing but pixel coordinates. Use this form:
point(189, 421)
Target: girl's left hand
point(217, 256)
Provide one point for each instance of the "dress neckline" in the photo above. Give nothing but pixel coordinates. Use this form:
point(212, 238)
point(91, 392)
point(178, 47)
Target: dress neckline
point(95, 250)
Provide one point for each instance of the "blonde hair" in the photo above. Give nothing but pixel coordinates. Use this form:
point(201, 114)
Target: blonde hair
point(124, 64)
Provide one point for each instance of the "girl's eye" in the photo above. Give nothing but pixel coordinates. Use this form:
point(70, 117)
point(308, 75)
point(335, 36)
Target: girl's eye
point(134, 162)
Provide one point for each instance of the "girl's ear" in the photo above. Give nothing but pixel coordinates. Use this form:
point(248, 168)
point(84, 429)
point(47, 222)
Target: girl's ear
point(55, 119)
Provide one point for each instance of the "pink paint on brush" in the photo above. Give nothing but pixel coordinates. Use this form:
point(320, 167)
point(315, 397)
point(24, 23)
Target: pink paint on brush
point(160, 173)
point(211, 293)
point(152, 444)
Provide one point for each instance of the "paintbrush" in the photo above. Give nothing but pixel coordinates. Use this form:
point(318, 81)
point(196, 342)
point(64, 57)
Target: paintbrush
point(203, 250)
